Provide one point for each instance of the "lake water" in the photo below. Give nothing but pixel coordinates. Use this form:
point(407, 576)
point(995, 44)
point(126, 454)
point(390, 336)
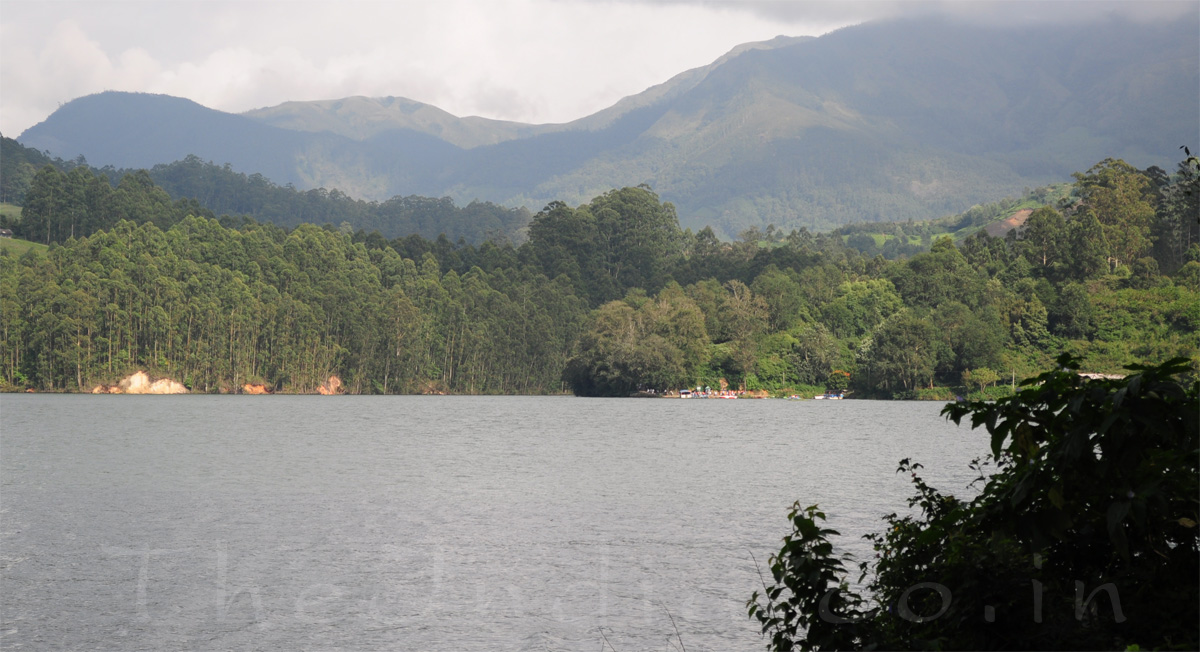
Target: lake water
point(428, 523)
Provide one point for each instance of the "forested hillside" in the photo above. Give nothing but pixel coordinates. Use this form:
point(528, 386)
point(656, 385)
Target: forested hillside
point(895, 239)
point(605, 297)
point(58, 193)
point(18, 164)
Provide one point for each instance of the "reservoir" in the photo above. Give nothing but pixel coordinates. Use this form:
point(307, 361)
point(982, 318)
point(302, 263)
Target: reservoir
point(430, 523)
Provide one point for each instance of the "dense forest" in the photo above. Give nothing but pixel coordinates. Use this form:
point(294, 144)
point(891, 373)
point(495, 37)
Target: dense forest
point(604, 298)
point(208, 189)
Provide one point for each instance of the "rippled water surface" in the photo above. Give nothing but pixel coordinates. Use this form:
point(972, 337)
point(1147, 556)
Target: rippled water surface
point(427, 523)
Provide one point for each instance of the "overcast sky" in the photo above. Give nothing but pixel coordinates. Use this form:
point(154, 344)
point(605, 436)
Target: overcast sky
point(527, 60)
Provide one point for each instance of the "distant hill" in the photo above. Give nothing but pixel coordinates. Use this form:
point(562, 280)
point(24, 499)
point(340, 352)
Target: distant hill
point(139, 130)
point(362, 118)
point(889, 121)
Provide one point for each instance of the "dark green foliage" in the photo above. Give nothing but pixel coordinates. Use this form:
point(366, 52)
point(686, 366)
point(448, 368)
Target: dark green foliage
point(774, 311)
point(623, 239)
point(941, 275)
point(640, 344)
point(903, 353)
point(906, 239)
point(1120, 197)
point(861, 306)
point(216, 307)
point(837, 381)
point(1084, 537)
point(226, 191)
point(1089, 248)
point(783, 296)
point(565, 241)
point(973, 339)
point(1043, 242)
point(200, 188)
point(814, 357)
point(986, 254)
point(638, 237)
point(17, 166)
point(809, 606)
point(63, 205)
point(1073, 314)
point(1177, 229)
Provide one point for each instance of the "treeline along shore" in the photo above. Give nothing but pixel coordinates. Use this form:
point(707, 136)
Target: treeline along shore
point(606, 298)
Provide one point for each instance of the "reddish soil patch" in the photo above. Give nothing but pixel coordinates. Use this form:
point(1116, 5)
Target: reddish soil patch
point(1016, 220)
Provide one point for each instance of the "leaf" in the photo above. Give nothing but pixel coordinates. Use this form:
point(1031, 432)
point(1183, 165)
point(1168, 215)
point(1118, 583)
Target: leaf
point(1187, 522)
point(1108, 422)
point(1116, 513)
point(1021, 490)
point(1135, 384)
point(1056, 497)
point(998, 436)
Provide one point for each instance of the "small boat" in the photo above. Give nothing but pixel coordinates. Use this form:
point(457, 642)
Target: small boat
point(685, 393)
point(830, 397)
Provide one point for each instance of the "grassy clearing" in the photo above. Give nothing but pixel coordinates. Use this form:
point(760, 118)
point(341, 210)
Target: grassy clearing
point(15, 247)
point(10, 212)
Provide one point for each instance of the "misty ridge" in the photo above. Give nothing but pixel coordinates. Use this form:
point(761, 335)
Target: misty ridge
point(888, 121)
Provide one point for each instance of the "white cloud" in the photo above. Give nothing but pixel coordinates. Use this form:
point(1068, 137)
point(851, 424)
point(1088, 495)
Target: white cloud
point(529, 60)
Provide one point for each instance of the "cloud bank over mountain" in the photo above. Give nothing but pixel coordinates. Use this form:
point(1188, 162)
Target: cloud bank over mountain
point(534, 61)
point(526, 60)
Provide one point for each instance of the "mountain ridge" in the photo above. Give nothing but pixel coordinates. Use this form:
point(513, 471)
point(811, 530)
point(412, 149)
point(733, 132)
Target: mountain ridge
point(369, 116)
point(901, 119)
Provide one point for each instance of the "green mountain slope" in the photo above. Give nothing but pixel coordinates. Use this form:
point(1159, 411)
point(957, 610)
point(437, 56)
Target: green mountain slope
point(910, 120)
point(899, 120)
point(363, 118)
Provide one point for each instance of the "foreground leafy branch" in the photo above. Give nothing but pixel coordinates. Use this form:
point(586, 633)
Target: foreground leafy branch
point(1084, 537)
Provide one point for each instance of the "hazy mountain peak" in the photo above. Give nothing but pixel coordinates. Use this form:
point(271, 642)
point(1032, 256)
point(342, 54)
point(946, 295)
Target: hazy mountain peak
point(888, 121)
point(679, 84)
point(361, 118)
